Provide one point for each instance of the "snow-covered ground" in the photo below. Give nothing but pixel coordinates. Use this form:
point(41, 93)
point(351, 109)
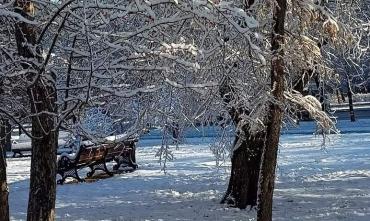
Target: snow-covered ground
point(314, 183)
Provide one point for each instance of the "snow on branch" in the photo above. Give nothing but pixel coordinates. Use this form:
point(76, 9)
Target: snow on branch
point(313, 107)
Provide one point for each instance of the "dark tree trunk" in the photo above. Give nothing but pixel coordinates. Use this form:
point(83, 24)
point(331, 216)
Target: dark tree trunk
point(42, 96)
point(245, 165)
point(245, 162)
point(4, 191)
point(41, 203)
point(269, 156)
point(350, 101)
point(246, 158)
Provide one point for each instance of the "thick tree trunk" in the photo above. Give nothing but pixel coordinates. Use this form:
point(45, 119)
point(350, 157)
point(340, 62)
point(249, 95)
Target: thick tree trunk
point(4, 191)
point(245, 163)
point(41, 203)
point(42, 96)
point(269, 156)
point(246, 159)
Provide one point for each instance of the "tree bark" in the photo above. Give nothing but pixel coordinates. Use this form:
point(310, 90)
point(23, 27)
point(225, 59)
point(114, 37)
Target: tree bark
point(246, 158)
point(245, 165)
point(245, 161)
point(4, 191)
point(41, 203)
point(269, 156)
point(42, 96)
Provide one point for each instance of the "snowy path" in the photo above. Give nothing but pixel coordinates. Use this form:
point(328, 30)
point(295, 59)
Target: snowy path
point(313, 184)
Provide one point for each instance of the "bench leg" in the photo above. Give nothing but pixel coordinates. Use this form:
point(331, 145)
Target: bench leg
point(119, 161)
point(61, 181)
point(132, 163)
point(125, 158)
point(91, 172)
point(69, 173)
point(106, 169)
point(100, 166)
point(77, 176)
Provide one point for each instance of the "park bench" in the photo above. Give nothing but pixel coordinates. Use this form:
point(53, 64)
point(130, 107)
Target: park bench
point(95, 157)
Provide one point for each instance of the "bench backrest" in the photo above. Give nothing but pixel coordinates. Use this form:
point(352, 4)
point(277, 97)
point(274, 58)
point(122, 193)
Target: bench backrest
point(115, 150)
point(107, 152)
point(92, 154)
point(119, 149)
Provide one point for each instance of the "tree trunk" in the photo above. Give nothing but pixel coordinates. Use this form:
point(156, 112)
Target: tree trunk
point(350, 101)
point(269, 156)
point(41, 203)
point(4, 191)
point(42, 96)
point(245, 165)
point(246, 158)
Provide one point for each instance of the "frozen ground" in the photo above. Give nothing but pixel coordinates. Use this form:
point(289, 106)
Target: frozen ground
point(313, 184)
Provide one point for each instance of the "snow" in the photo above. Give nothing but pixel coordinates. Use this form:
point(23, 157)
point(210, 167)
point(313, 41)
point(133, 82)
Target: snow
point(313, 183)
